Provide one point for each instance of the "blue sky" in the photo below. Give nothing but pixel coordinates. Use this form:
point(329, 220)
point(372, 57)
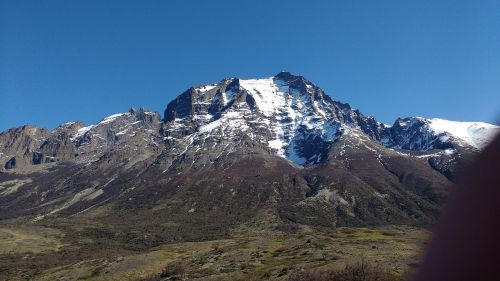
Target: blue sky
point(83, 60)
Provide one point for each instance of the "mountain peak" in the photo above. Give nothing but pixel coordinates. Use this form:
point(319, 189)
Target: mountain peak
point(285, 113)
point(286, 76)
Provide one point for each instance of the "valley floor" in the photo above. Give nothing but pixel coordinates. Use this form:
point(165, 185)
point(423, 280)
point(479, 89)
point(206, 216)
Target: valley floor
point(30, 252)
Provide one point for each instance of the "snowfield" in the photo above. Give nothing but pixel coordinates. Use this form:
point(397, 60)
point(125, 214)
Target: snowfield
point(476, 134)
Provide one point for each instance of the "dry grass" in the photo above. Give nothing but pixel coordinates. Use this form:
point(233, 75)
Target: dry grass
point(29, 240)
point(361, 270)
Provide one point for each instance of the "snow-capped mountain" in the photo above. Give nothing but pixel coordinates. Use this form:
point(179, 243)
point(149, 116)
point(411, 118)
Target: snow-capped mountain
point(420, 134)
point(278, 143)
point(287, 114)
point(296, 120)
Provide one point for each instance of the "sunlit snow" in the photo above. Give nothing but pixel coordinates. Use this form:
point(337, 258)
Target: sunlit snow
point(477, 134)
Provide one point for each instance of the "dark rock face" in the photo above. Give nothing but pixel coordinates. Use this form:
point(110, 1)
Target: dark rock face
point(408, 134)
point(38, 158)
point(181, 107)
point(11, 163)
point(227, 152)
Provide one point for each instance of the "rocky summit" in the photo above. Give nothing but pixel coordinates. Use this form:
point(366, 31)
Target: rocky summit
point(271, 151)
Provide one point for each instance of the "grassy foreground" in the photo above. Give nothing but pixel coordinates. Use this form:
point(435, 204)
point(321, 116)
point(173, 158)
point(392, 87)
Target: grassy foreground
point(39, 253)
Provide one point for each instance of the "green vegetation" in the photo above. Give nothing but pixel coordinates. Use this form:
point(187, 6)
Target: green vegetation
point(251, 252)
point(29, 240)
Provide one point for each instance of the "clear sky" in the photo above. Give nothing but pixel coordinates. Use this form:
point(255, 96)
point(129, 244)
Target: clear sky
point(83, 60)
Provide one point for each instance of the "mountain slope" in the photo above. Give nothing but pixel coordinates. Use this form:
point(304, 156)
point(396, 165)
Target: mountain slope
point(224, 154)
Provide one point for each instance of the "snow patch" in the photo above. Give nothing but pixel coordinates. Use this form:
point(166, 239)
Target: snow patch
point(477, 134)
point(205, 88)
point(82, 132)
point(111, 118)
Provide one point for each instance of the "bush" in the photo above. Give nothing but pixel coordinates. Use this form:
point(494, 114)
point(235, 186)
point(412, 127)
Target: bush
point(175, 270)
point(361, 270)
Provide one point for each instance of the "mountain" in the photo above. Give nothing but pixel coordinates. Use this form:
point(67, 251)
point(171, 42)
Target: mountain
point(274, 151)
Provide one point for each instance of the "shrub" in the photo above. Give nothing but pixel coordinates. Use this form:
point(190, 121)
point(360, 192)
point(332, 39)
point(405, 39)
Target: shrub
point(175, 270)
point(361, 270)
